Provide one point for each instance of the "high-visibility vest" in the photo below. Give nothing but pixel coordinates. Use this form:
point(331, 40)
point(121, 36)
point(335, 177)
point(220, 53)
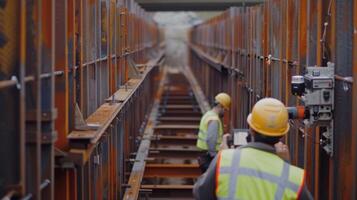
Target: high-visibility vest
point(249, 173)
point(202, 134)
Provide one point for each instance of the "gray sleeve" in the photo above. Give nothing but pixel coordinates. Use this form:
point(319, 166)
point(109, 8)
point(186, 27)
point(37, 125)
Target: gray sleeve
point(212, 136)
point(305, 194)
point(205, 187)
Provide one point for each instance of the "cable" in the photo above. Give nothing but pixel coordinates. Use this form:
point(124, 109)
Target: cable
point(325, 48)
point(305, 133)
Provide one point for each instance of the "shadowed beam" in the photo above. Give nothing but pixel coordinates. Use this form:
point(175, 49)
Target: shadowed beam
point(194, 5)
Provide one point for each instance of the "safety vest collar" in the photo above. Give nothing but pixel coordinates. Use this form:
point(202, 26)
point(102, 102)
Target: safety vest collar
point(260, 146)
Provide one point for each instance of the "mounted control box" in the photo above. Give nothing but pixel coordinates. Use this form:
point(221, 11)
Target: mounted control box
point(316, 89)
point(319, 93)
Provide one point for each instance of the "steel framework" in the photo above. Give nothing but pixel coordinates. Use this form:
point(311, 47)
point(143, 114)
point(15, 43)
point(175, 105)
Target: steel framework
point(77, 78)
point(252, 52)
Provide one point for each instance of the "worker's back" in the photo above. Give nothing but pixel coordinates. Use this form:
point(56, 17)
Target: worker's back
point(250, 173)
point(202, 135)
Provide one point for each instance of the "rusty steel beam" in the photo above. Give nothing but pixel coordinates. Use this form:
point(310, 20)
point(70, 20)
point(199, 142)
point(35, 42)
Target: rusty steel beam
point(164, 191)
point(179, 107)
point(105, 114)
point(168, 187)
point(175, 119)
point(182, 114)
point(176, 132)
point(211, 61)
point(197, 90)
point(173, 143)
point(174, 127)
point(175, 153)
point(194, 5)
point(137, 171)
point(172, 140)
point(172, 170)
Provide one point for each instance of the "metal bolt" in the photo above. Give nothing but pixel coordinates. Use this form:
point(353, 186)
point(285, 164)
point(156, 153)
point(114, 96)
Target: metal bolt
point(345, 86)
point(96, 160)
point(14, 78)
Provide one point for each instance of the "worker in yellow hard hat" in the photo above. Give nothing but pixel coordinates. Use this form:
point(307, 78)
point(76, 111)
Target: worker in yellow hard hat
point(256, 171)
point(211, 130)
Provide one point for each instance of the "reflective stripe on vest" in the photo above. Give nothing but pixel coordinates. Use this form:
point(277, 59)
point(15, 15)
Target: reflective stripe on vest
point(202, 134)
point(250, 173)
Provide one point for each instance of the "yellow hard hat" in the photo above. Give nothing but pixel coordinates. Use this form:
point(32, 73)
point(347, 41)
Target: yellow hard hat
point(269, 117)
point(224, 99)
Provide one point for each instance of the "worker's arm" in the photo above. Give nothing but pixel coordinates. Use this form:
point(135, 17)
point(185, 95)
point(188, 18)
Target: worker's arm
point(212, 136)
point(224, 144)
point(205, 187)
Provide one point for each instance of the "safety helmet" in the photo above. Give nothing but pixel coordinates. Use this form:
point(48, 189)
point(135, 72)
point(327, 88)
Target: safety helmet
point(269, 117)
point(224, 99)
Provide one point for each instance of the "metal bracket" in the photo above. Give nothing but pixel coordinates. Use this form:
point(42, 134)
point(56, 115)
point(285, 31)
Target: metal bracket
point(112, 100)
point(96, 159)
point(135, 70)
point(80, 124)
point(327, 140)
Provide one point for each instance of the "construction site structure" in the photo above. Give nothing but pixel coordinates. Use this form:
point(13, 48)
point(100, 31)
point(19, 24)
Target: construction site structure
point(89, 108)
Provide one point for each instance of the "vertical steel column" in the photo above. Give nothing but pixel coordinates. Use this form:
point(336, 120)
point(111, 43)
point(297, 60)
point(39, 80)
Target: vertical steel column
point(354, 107)
point(343, 161)
point(48, 112)
point(22, 102)
point(33, 104)
point(12, 98)
point(61, 64)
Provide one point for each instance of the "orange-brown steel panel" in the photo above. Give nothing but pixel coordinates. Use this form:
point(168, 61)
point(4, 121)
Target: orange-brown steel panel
point(61, 97)
point(56, 37)
point(295, 34)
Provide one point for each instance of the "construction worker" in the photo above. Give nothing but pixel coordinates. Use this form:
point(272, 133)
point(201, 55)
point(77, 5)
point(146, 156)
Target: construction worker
point(255, 171)
point(211, 130)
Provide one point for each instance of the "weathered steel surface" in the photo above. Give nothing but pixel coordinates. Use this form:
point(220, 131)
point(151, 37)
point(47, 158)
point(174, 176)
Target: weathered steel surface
point(137, 171)
point(169, 161)
point(56, 55)
point(252, 52)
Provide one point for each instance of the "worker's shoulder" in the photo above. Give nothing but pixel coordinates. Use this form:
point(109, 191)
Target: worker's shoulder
point(229, 151)
point(246, 149)
point(294, 167)
point(210, 114)
point(212, 119)
point(241, 148)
